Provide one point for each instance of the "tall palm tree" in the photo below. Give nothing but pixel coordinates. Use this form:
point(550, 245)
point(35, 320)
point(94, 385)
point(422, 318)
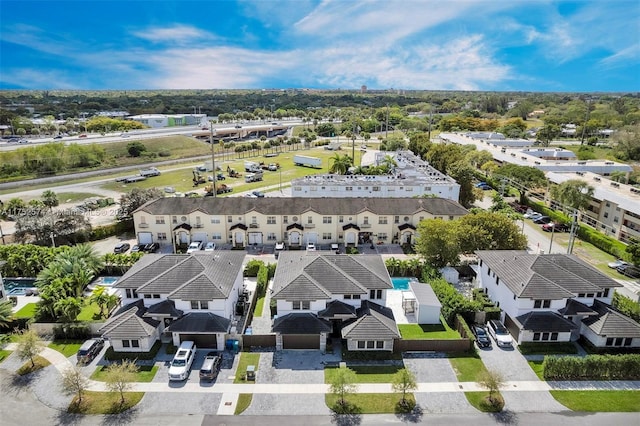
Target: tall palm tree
point(340, 164)
point(6, 313)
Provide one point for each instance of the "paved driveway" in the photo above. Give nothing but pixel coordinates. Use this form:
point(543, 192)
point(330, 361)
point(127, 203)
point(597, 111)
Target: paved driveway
point(291, 366)
point(512, 365)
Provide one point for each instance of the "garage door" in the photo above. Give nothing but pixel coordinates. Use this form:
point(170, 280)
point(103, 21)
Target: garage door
point(351, 238)
point(301, 341)
point(145, 238)
point(255, 238)
point(311, 237)
point(199, 236)
point(294, 238)
point(208, 341)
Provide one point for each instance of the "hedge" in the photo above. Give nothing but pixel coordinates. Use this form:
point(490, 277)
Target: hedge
point(592, 367)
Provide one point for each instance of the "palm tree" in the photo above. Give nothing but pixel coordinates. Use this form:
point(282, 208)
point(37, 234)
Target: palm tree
point(6, 313)
point(68, 308)
point(341, 164)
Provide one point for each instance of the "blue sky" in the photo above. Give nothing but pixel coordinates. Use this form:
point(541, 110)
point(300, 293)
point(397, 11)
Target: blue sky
point(522, 45)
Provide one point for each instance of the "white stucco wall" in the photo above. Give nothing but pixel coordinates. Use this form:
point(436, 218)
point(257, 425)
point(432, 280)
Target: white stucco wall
point(352, 345)
point(145, 344)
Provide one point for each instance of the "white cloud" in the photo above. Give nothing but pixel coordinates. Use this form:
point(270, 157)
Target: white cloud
point(173, 34)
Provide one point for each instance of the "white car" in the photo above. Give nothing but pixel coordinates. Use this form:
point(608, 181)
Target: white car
point(210, 246)
point(195, 246)
point(182, 361)
point(500, 333)
point(311, 247)
point(616, 263)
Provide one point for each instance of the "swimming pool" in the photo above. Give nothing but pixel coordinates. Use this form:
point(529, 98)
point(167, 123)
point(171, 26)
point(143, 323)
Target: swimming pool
point(19, 286)
point(106, 281)
point(401, 283)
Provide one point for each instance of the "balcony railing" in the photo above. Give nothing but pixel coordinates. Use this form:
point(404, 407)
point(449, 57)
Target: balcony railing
point(143, 225)
point(198, 225)
point(310, 225)
point(254, 225)
point(365, 225)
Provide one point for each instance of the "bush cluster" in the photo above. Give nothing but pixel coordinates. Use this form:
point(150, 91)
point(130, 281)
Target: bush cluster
point(453, 302)
point(71, 332)
point(592, 367)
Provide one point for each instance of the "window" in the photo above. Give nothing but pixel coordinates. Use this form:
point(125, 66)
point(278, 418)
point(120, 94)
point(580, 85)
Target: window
point(554, 336)
point(174, 219)
point(285, 219)
point(545, 336)
point(271, 236)
point(376, 188)
point(361, 344)
point(131, 293)
point(271, 220)
point(606, 293)
point(379, 344)
point(326, 235)
point(396, 219)
point(341, 219)
point(370, 344)
point(254, 220)
point(580, 294)
point(536, 336)
point(147, 296)
point(216, 236)
point(126, 344)
point(382, 220)
point(298, 305)
point(229, 219)
point(366, 220)
point(382, 236)
point(326, 219)
point(309, 219)
point(375, 294)
point(215, 220)
point(542, 304)
point(162, 236)
point(156, 296)
point(159, 220)
point(199, 304)
point(349, 188)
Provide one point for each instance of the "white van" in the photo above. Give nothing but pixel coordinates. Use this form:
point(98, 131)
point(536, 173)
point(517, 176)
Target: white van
point(182, 361)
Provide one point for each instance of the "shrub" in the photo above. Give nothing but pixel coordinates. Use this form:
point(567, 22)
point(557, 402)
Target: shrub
point(71, 332)
point(252, 268)
point(453, 302)
point(626, 306)
point(592, 367)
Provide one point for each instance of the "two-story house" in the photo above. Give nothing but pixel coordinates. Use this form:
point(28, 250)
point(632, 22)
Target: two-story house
point(241, 221)
point(186, 297)
point(554, 297)
point(321, 294)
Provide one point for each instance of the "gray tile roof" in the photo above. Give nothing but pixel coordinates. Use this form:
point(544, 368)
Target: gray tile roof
point(299, 205)
point(573, 307)
point(610, 323)
point(424, 294)
point(128, 323)
point(166, 307)
point(200, 322)
point(545, 322)
point(534, 276)
point(185, 274)
point(374, 322)
point(314, 276)
point(301, 323)
point(339, 309)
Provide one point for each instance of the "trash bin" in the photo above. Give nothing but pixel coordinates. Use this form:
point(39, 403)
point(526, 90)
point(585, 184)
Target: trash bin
point(251, 372)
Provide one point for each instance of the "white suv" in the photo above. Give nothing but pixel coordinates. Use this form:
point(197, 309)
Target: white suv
point(195, 246)
point(499, 333)
point(182, 360)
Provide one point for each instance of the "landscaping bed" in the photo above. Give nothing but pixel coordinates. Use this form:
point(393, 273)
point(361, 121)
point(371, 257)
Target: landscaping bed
point(104, 402)
point(370, 403)
point(367, 373)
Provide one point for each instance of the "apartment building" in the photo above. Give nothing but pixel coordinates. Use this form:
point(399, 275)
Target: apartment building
point(411, 177)
point(241, 221)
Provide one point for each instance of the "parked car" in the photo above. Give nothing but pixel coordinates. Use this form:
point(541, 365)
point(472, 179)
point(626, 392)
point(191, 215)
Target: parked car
point(629, 271)
point(210, 366)
point(311, 246)
point(530, 214)
point(499, 333)
point(151, 247)
point(82, 136)
point(136, 248)
point(258, 194)
point(121, 248)
point(182, 361)
point(542, 220)
point(616, 263)
point(89, 350)
point(195, 246)
point(482, 338)
point(555, 227)
point(210, 246)
point(279, 247)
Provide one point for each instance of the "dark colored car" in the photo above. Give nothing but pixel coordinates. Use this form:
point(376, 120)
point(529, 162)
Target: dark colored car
point(137, 248)
point(258, 194)
point(210, 366)
point(542, 220)
point(555, 227)
point(89, 350)
point(122, 248)
point(482, 338)
point(151, 247)
point(629, 271)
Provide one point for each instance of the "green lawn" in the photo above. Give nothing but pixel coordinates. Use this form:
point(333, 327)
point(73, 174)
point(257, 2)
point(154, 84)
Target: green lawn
point(370, 403)
point(537, 368)
point(27, 311)
point(104, 403)
point(38, 363)
point(479, 401)
point(74, 197)
point(259, 307)
point(428, 331)
point(145, 373)
point(90, 312)
point(4, 354)
point(562, 348)
point(246, 359)
point(66, 347)
point(599, 401)
point(468, 368)
point(367, 373)
point(244, 401)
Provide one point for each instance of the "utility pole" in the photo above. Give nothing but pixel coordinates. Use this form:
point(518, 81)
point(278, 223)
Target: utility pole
point(430, 117)
point(386, 126)
point(213, 159)
point(574, 230)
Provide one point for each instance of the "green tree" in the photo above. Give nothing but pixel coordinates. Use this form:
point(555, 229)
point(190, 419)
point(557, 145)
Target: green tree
point(524, 178)
point(492, 381)
point(574, 193)
point(462, 172)
point(483, 230)
point(29, 344)
point(50, 199)
point(404, 381)
point(6, 313)
point(68, 308)
point(340, 164)
point(136, 148)
point(120, 376)
point(343, 384)
point(548, 133)
point(437, 242)
point(74, 382)
point(135, 198)
point(633, 248)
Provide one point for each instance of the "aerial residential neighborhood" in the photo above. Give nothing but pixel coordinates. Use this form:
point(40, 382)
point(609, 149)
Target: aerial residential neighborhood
point(350, 213)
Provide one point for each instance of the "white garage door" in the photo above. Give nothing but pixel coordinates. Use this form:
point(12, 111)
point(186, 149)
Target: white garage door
point(199, 236)
point(255, 238)
point(311, 237)
point(145, 238)
point(351, 238)
point(294, 238)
